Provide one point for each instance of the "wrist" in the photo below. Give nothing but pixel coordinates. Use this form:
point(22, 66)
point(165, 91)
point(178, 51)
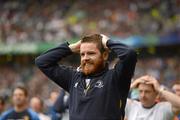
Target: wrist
point(133, 85)
point(75, 47)
point(71, 46)
point(104, 41)
point(161, 90)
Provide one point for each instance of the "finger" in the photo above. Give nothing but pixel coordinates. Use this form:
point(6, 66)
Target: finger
point(143, 81)
point(149, 83)
point(144, 77)
point(147, 80)
point(104, 37)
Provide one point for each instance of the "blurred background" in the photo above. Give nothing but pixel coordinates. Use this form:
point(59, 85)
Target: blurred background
point(30, 27)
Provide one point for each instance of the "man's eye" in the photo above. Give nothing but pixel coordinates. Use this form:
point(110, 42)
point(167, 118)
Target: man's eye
point(82, 54)
point(147, 91)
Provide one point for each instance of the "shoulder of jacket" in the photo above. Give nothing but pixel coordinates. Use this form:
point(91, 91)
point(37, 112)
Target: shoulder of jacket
point(6, 113)
point(33, 114)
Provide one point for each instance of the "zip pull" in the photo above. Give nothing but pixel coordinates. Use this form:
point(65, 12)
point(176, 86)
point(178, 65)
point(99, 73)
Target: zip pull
point(87, 81)
point(86, 90)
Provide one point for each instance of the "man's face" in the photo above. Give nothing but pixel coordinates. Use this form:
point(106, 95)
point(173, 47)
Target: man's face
point(92, 60)
point(19, 98)
point(54, 96)
point(35, 104)
point(147, 95)
point(176, 89)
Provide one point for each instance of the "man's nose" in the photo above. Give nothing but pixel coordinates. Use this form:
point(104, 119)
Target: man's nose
point(86, 57)
point(142, 94)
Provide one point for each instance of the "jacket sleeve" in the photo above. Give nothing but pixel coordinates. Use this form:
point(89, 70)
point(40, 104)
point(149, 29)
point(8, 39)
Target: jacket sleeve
point(5, 114)
point(48, 64)
point(124, 69)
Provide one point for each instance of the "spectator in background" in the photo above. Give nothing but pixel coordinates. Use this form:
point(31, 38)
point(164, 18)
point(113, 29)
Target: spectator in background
point(52, 98)
point(2, 104)
point(148, 108)
point(50, 104)
point(176, 89)
point(20, 109)
point(37, 105)
point(61, 104)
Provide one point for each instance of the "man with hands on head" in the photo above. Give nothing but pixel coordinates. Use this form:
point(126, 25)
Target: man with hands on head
point(147, 108)
point(96, 93)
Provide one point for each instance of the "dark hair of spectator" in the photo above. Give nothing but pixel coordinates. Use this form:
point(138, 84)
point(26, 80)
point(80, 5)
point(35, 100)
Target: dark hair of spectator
point(23, 88)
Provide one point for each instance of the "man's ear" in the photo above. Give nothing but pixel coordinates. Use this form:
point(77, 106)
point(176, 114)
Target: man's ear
point(105, 55)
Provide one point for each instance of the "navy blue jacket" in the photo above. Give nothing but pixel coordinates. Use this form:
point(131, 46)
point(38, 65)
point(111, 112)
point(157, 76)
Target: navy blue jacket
point(109, 89)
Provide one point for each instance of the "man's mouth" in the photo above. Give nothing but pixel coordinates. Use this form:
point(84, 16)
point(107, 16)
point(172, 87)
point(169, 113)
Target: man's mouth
point(87, 64)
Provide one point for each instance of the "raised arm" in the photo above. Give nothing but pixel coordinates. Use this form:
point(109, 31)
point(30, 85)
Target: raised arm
point(48, 64)
point(124, 69)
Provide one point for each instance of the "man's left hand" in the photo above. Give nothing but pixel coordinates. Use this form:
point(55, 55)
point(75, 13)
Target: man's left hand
point(104, 40)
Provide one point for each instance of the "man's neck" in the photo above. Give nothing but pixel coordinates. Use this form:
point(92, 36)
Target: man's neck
point(20, 108)
point(150, 106)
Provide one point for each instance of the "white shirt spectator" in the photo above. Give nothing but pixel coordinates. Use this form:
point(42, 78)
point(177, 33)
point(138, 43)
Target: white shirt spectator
point(160, 111)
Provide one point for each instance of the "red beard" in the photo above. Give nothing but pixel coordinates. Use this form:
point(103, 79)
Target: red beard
point(90, 67)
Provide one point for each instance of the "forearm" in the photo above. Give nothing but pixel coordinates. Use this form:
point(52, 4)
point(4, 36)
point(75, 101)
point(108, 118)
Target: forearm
point(124, 69)
point(120, 49)
point(48, 64)
point(170, 97)
point(52, 56)
point(133, 85)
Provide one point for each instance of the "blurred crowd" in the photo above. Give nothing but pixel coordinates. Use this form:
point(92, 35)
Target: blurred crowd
point(166, 70)
point(37, 83)
point(59, 20)
point(42, 93)
point(46, 20)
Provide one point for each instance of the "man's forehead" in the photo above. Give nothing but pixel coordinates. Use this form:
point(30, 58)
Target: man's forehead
point(92, 44)
point(145, 86)
point(88, 46)
point(18, 91)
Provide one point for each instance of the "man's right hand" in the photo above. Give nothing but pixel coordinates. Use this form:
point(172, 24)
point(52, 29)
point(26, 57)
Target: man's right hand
point(75, 47)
